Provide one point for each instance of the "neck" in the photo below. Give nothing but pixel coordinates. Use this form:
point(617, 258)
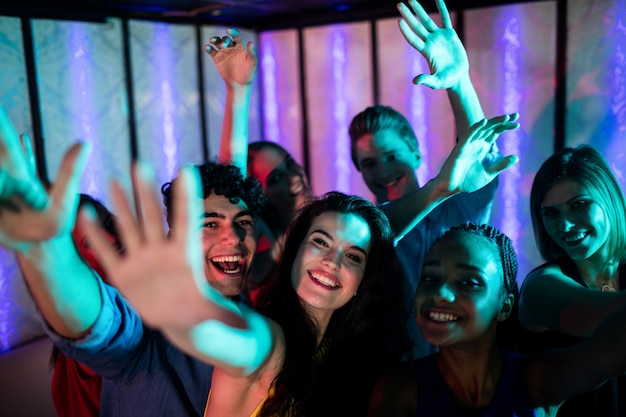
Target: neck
point(603, 274)
point(472, 374)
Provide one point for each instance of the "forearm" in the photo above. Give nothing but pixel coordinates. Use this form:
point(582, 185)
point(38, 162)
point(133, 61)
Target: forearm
point(234, 137)
point(63, 287)
point(407, 211)
point(465, 105)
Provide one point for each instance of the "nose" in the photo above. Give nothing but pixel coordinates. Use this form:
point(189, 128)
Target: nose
point(332, 259)
point(445, 293)
point(565, 223)
point(231, 235)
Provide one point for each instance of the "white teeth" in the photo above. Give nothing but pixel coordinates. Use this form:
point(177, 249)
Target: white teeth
point(232, 258)
point(444, 317)
point(232, 271)
point(574, 238)
point(391, 184)
point(324, 280)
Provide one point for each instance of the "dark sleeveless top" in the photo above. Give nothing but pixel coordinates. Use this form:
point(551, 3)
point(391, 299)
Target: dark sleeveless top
point(435, 399)
point(608, 400)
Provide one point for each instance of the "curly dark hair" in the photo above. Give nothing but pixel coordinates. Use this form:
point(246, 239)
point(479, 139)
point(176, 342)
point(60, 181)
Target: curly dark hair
point(226, 180)
point(363, 338)
point(509, 331)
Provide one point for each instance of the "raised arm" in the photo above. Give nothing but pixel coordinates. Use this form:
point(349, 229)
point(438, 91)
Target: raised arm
point(237, 64)
point(37, 225)
point(550, 300)
point(464, 171)
point(447, 60)
point(163, 278)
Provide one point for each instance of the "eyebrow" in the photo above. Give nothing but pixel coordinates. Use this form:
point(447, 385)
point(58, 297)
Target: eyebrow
point(461, 265)
point(215, 214)
point(571, 199)
point(323, 232)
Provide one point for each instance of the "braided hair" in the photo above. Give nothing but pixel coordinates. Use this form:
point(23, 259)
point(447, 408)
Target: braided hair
point(510, 330)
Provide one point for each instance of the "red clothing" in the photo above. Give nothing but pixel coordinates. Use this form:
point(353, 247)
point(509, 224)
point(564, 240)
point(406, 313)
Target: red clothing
point(75, 389)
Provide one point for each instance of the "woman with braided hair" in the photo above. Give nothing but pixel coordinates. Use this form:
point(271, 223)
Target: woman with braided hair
point(467, 290)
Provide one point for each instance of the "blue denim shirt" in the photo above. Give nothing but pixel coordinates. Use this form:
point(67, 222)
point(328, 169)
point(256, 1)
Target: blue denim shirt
point(143, 374)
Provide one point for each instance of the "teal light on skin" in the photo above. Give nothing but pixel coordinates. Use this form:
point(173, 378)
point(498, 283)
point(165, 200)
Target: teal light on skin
point(245, 348)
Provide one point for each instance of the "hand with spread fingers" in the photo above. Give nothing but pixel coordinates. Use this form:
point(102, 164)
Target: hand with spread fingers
point(163, 277)
point(464, 170)
point(440, 46)
point(235, 59)
point(28, 213)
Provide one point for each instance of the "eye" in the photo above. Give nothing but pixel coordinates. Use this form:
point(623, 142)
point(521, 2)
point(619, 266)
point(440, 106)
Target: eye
point(367, 164)
point(470, 283)
point(209, 225)
point(427, 279)
point(354, 257)
point(274, 179)
point(580, 204)
point(245, 224)
point(549, 213)
point(319, 241)
point(393, 157)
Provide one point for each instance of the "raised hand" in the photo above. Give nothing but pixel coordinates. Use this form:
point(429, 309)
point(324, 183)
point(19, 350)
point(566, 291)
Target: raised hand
point(464, 170)
point(163, 277)
point(28, 213)
point(236, 61)
point(440, 46)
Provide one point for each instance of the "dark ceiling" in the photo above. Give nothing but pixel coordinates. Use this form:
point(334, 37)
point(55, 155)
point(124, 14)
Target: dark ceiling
point(255, 14)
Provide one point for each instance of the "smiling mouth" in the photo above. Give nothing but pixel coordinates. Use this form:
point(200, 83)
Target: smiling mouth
point(571, 240)
point(442, 317)
point(228, 264)
point(324, 281)
point(391, 183)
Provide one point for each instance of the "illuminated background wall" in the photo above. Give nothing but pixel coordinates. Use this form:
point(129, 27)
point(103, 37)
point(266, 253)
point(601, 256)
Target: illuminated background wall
point(145, 89)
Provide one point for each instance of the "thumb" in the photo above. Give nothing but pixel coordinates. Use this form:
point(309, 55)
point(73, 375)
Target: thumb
point(427, 80)
point(503, 164)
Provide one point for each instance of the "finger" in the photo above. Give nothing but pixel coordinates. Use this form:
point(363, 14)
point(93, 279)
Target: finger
point(234, 33)
point(413, 24)
point(103, 250)
point(476, 131)
point(428, 80)
point(127, 227)
point(413, 40)
point(64, 191)
point(226, 42)
point(210, 49)
point(252, 53)
point(428, 23)
point(446, 22)
point(502, 164)
point(150, 212)
point(27, 151)
point(187, 213)
point(19, 180)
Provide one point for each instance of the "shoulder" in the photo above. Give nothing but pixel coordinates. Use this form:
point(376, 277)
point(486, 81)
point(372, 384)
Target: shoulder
point(545, 277)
